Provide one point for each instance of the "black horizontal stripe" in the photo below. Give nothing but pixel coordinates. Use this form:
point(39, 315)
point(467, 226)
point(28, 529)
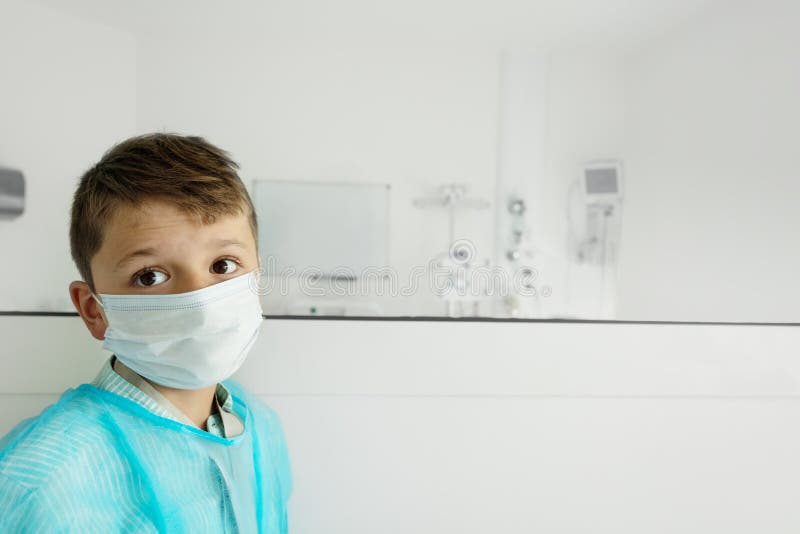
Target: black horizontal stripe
point(433, 319)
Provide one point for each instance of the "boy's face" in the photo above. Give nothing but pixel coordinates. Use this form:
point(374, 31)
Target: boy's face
point(157, 249)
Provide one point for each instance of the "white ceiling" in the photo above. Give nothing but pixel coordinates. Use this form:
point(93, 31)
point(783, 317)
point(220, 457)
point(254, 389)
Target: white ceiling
point(550, 23)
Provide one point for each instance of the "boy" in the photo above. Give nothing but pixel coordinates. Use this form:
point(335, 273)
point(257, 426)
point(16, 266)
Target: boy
point(164, 235)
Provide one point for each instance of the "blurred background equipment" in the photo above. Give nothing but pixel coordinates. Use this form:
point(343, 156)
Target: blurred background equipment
point(12, 193)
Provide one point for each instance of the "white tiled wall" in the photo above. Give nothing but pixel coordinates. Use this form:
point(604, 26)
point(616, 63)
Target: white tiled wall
point(432, 427)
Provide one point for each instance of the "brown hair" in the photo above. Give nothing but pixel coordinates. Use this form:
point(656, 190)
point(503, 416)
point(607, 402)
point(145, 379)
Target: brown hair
point(198, 177)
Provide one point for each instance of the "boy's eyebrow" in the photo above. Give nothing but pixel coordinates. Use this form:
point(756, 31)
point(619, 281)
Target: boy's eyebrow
point(135, 254)
point(224, 242)
point(150, 251)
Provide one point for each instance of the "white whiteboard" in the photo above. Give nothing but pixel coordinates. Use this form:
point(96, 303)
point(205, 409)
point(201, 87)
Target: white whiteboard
point(323, 226)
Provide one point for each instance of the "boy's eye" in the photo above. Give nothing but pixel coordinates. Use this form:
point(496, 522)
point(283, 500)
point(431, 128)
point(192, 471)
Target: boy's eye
point(150, 278)
point(225, 266)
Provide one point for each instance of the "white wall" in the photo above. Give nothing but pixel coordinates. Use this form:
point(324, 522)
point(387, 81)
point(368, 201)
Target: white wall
point(499, 427)
point(68, 92)
point(707, 102)
point(711, 211)
point(410, 115)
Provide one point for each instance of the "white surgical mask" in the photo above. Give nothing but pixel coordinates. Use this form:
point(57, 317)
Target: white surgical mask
point(185, 340)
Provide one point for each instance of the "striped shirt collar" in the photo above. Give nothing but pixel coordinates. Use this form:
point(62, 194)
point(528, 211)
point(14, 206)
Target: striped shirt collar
point(223, 423)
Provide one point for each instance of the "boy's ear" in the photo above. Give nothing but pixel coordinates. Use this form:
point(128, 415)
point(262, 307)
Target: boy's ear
point(88, 308)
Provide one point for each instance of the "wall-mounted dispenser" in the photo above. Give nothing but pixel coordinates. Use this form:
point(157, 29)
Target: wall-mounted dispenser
point(12, 193)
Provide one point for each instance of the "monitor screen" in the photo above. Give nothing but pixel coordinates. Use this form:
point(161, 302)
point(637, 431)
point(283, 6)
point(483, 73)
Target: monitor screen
point(601, 181)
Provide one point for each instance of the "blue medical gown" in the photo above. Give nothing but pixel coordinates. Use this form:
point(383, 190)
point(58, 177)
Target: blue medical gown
point(98, 462)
